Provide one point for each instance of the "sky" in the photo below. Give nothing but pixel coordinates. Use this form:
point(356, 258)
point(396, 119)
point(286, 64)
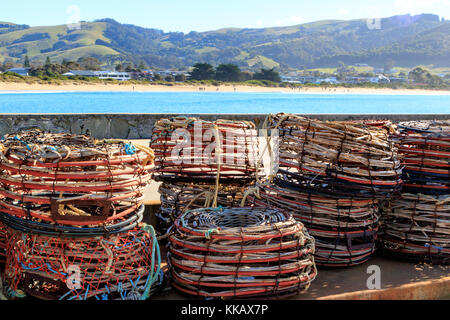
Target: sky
point(206, 15)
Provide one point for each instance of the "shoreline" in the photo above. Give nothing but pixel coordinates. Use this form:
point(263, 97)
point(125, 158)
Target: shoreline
point(13, 87)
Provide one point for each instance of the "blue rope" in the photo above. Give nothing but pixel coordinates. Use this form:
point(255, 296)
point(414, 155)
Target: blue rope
point(153, 277)
point(130, 149)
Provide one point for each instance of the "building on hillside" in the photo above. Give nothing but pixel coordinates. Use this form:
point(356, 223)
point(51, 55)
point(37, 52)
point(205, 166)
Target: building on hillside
point(80, 73)
point(103, 75)
point(114, 75)
point(20, 71)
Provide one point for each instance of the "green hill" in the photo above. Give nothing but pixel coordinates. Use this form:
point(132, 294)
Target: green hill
point(408, 40)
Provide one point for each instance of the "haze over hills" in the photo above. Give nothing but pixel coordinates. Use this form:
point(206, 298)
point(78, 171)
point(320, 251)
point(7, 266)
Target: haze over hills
point(407, 40)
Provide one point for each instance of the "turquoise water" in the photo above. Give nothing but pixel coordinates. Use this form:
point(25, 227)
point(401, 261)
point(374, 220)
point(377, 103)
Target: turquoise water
point(203, 102)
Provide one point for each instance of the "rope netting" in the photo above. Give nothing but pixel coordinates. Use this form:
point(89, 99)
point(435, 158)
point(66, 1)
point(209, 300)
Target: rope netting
point(350, 159)
point(194, 149)
point(417, 227)
point(176, 198)
point(72, 180)
point(240, 253)
point(345, 230)
point(71, 201)
point(124, 266)
point(417, 224)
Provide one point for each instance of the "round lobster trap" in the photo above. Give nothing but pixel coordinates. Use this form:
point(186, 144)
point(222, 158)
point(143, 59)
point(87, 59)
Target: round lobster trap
point(177, 198)
point(188, 149)
point(350, 159)
point(124, 266)
point(240, 253)
point(344, 229)
point(72, 181)
point(417, 228)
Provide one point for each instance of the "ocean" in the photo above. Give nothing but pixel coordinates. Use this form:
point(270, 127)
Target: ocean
point(225, 103)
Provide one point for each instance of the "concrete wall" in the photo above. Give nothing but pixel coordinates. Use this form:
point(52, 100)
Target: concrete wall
point(139, 126)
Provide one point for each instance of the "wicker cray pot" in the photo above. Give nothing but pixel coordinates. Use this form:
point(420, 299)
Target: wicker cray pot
point(417, 228)
point(240, 253)
point(192, 149)
point(345, 230)
point(124, 266)
point(426, 157)
point(177, 198)
point(417, 224)
point(72, 181)
point(349, 159)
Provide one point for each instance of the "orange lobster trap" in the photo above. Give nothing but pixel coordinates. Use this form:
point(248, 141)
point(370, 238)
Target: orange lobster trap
point(124, 266)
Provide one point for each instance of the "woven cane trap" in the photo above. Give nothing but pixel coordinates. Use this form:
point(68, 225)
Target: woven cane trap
point(240, 253)
point(351, 159)
point(417, 227)
point(426, 159)
point(417, 224)
point(177, 198)
point(124, 266)
point(192, 149)
point(72, 180)
point(344, 229)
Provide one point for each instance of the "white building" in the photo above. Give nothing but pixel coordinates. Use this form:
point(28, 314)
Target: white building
point(103, 75)
point(121, 76)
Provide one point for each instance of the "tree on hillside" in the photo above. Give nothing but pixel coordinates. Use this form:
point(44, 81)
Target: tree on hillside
point(119, 67)
point(89, 63)
point(47, 62)
point(421, 75)
point(228, 72)
point(142, 66)
point(180, 77)
point(202, 71)
point(71, 65)
point(267, 74)
point(26, 63)
point(50, 70)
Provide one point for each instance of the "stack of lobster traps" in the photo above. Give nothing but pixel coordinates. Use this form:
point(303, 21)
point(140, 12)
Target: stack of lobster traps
point(230, 253)
point(332, 176)
point(417, 223)
point(202, 164)
point(73, 210)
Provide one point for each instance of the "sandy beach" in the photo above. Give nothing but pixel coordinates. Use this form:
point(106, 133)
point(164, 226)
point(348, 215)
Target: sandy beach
point(127, 87)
